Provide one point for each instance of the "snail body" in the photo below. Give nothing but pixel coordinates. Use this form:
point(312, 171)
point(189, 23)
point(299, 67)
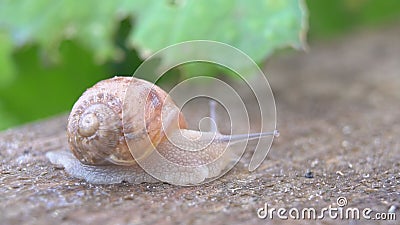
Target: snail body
point(113, 142)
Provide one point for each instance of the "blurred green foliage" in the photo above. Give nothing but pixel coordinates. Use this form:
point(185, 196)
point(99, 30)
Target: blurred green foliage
point(51, 51)
point(331, 18)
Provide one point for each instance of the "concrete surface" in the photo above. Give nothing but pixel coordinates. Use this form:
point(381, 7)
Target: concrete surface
point(339, 118)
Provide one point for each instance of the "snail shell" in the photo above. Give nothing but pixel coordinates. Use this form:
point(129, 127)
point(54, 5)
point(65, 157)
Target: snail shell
point(95, 130)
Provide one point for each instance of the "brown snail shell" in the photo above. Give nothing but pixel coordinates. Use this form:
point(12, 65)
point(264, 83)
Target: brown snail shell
point(95, 127)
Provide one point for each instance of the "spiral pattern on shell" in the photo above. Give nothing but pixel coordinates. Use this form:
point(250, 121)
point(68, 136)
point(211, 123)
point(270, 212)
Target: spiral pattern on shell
point(96, 132)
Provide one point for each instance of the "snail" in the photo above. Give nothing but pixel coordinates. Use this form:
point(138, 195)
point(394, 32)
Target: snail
point(147, 141)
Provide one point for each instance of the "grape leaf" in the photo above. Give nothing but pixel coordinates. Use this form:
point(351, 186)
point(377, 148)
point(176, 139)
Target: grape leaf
point(256, 27)
point(48, 22)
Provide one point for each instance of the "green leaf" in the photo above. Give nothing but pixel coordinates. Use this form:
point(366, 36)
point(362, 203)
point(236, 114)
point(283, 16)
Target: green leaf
point(257, 27)
point(48, 22)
